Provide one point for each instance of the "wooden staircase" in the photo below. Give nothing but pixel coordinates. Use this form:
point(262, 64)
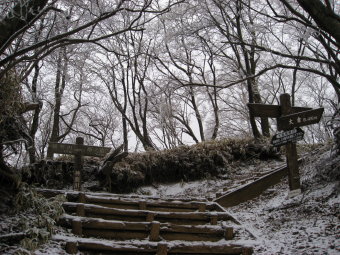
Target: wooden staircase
point(116, 224)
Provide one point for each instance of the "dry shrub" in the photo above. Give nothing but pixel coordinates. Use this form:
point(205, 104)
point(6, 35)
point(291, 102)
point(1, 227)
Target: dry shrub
point(185, 163)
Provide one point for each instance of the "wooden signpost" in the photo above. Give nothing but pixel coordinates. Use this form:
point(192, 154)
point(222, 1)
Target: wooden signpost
point(78, 150)
point(283, 138)
point(288, 120)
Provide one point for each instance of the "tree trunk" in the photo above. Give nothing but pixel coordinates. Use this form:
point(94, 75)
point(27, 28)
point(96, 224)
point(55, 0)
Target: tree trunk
point(125, 135)
point(22, 13)
point(35, 122)
point(60, 84)
point(197, 113)
point(8, 178)
point(324, 17)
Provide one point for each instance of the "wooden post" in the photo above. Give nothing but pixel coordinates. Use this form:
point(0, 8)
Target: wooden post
point(80, 210)
point(81, 197)
point(247, 251)
point(49, 153)
point(77, 227)
point(150, 217)
point(71, 247)
point(202, 207)
point(162, 249)
point(154, 233)
point(229, 233)
point(78, 165)
point(213, 219)
point(142, 205)
point(291, 153)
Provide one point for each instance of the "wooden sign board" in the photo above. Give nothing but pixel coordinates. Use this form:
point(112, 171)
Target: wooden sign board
point(264, 110)
point(288, 117)
point(285, 137)
point(299, 119)
point(78, 150)
point(84, 150)
point(271, 111)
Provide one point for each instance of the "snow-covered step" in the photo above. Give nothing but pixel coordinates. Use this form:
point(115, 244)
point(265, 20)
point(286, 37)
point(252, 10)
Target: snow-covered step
point(97, 246)
point(144, 225)
point(155, 231)
point(146, 204)
point(135, 202)
point(188, 218)
point(73, 195)
point(253, 189)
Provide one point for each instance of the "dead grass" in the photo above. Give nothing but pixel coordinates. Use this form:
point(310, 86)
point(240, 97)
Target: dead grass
point(185, 163)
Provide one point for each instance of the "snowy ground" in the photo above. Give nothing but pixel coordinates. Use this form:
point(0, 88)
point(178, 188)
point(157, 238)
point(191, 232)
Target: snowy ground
point(305, 224)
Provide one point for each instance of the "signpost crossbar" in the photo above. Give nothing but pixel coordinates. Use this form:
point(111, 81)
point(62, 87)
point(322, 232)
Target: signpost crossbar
point(78, 150)
point(289, 119)
point(85, 150)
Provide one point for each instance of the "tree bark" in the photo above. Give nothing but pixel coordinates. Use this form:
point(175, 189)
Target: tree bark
point(324, 17)
point(19, 17)
point(35, 121)
point(7, 177)
point(58, 93)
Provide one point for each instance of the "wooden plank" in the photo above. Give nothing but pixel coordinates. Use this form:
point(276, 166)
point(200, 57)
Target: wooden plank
point(207, 249)
point(254, 189)
point(300, 119)
point(153, 205)
point(122, 230)
point(264, 110)
point(115, 235)
point(201, 229)
point(72, 196)
point(285, 137)
point(85, 150)
point(92, 223)
point(192, 233)
point(296, 109)
point(191, 218)
point(116, 248)
point(152, 248)
point(271, 111)
point(154, 231)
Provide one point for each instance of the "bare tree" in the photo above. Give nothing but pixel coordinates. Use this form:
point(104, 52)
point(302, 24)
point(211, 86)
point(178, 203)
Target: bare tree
point(22, 45)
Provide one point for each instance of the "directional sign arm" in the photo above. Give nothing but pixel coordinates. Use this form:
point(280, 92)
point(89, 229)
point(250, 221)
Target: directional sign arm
point(271, 111)
point(85, 150)
point(300, 119)
point(264, 110)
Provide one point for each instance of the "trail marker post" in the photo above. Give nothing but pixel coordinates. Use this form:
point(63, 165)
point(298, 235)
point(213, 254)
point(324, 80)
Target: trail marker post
point(79, 150)
point(289, 119)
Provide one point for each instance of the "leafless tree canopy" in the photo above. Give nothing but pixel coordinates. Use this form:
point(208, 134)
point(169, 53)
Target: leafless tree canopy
point(157, 74)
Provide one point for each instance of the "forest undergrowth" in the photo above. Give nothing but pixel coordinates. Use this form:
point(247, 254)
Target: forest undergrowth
point(30, 220)
point(184, 163)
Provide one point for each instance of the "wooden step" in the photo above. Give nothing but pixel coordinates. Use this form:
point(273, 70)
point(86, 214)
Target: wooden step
point(155, 231)
point(187, 218)
point(135, 202)
point(73, 195)
point(144, 204)
point(253, 189)
point(91, 246)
